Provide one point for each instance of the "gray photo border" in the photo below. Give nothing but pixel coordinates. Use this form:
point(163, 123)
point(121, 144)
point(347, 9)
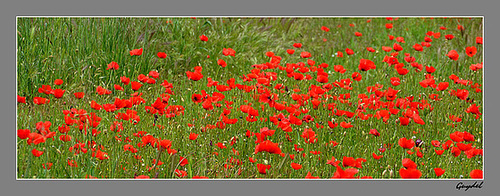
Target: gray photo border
point(9, 10)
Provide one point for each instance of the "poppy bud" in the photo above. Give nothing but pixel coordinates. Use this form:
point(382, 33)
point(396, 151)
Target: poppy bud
point(419, 142)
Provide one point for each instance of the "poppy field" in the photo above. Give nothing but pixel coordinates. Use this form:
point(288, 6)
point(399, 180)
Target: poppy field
point(249, 98)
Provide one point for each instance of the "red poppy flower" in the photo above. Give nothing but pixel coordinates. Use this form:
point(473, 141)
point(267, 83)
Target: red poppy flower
point(397, 47)
point(228, 52)
point(142, 78)
point(290, 51)
point(374, 132)
point(473, 152)
point(58, 82)
point(347, 173)
point(356, 76)
point(136, 52)
point(262, 168)
point(471, 51)
point(23, 133)
point(72, 163)
point(455, 151)
point(36, 152)
point(136, 85)
point(164, 144)
point(58, 93)
point(222, 63)
point(439, 152)
point(200, 177)
point(296, 166)
point(460, 27)
point(113, 65)
point(339, 68)
point(395, 81)
point(21, 99)
point(350, 161)
point(129, 147)
point(305, 54)
point(410, 173)
point(410, 59)
point(322, 79)
point(40, 100)
point(406, 143)
point(297, 45)
point(464, 147)
point(182, 161)
point(47, 166)
point(475, 67)
point(196, 75)
point(468, 136)
point(102, 91)
point(125, 80)
point(346, 125)
point(365, 65)
point(437, 35)
point(349, 51)
point(462, 94)
point(474, 109)
point(79, 95)
point(479, 40)
point(46, 89)
point(269, 54)
point(326, 29)
point(193, 136)
point(95, 106)
point(333, 162)
point(427, 39)
point(370, 49)
point(268, 146)
point(161, 55)
point(309, 136)
point(377, 157)
point(402, 71)
point(203, 38)
point(410, 169)
point(442, 86)
point(332, 125)
point(180, 173)
point(100, 155)
point(309, 176)
point(449, 37)
point(118, 87)
point(453, 55)
point(388, 26)
point(435, 143)
point(358, 34)
point(221, 145)
point(476, 174)
point(430, 69)
point(65, 138)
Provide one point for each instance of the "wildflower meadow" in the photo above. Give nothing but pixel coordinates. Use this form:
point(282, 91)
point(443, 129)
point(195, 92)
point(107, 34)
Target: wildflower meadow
point(249, 97)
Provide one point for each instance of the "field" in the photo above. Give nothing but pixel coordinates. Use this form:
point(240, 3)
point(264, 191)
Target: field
point(249, 98)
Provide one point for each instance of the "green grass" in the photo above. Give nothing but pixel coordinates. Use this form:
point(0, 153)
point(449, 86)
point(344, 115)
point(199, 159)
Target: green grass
point(77, 50)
